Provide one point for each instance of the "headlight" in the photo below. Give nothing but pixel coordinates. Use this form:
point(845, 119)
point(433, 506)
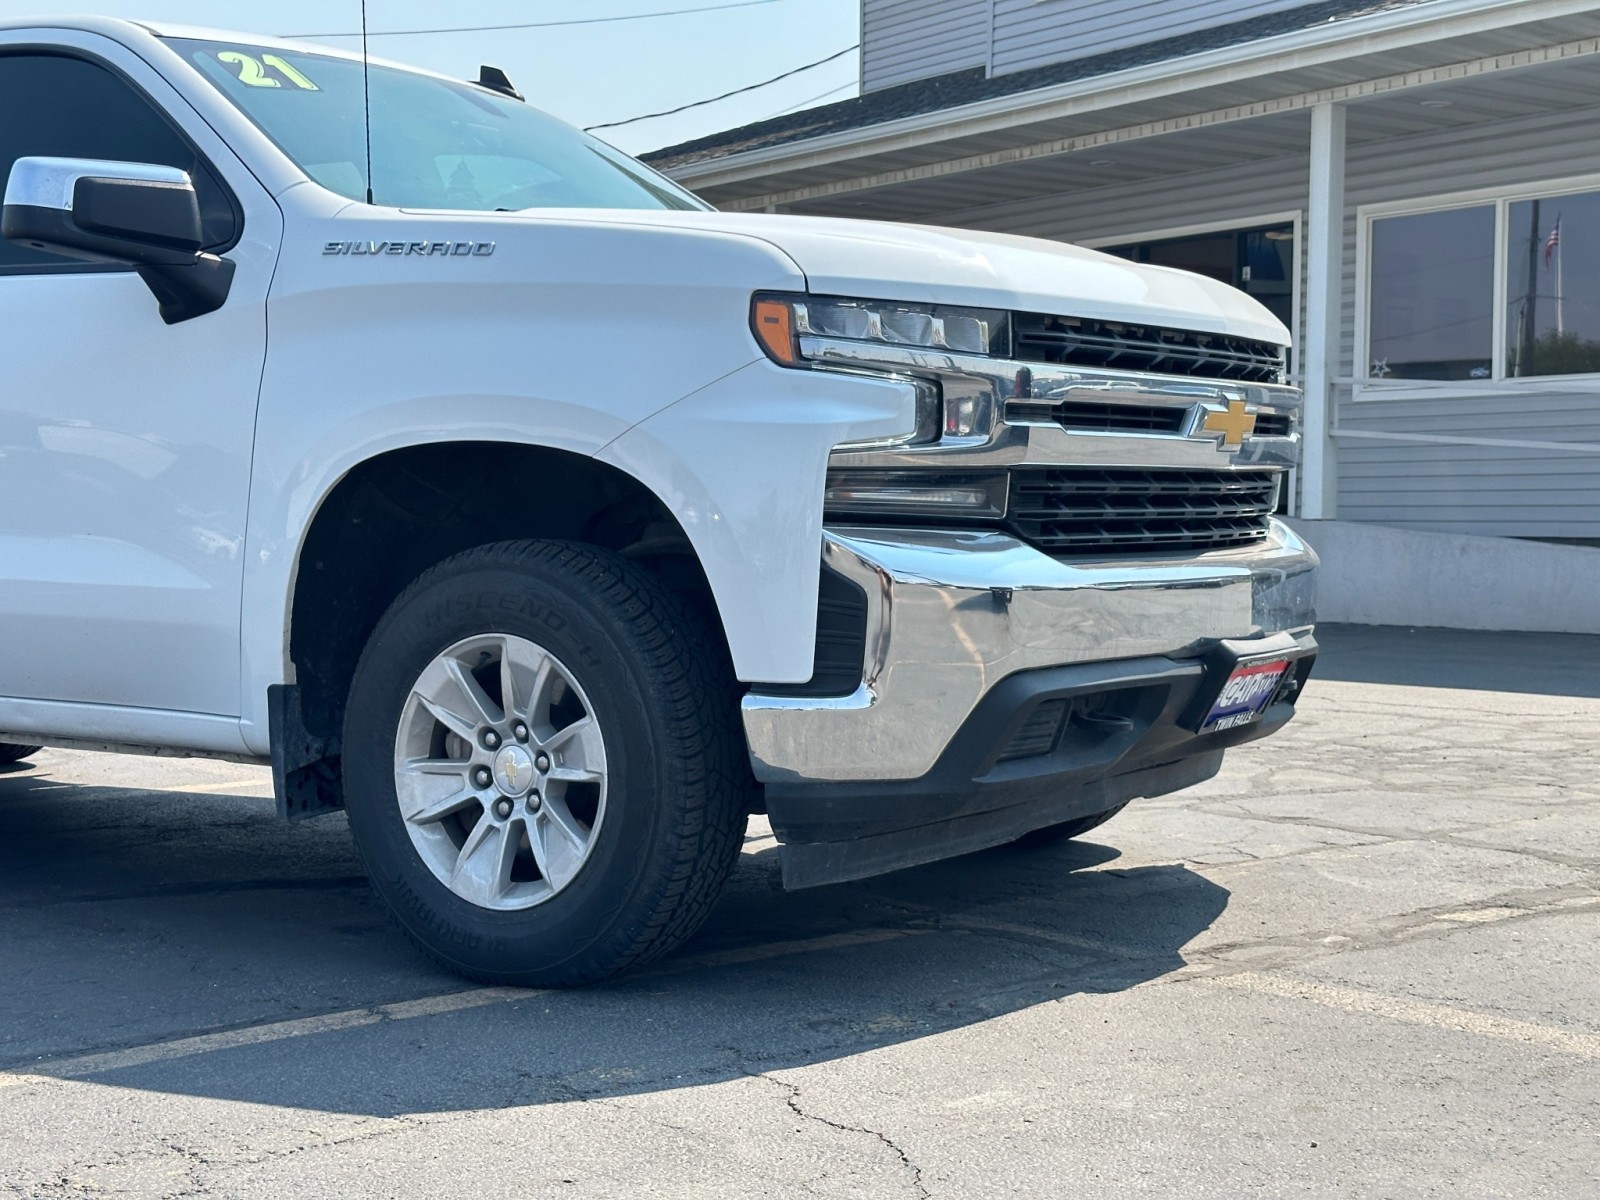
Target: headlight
point(780, 322)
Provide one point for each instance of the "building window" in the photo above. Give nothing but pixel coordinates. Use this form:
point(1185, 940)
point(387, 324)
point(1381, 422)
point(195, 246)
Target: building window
point(1432, 307)
point(1498, 289)
point(1553, 312)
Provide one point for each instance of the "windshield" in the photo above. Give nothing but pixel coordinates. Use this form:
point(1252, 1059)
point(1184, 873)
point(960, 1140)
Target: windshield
point(435, 143)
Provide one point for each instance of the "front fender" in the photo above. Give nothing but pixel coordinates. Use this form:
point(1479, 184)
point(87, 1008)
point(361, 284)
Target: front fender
point(742, 463)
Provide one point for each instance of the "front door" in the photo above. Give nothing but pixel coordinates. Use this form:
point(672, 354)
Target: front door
point(124, 442)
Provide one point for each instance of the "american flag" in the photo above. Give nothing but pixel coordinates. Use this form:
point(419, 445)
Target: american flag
point(1552, 243)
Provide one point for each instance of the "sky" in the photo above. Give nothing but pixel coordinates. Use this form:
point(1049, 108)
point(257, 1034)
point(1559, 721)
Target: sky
point(586, 74)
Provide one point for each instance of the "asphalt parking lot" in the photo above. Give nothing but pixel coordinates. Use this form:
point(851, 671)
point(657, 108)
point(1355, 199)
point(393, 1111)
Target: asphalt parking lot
point(1361, 962)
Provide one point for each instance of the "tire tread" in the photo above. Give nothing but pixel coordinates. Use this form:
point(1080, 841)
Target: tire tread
point(703, 752)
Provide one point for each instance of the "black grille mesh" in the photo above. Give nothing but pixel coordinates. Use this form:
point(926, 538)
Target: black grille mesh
point(1274, 425)
point(1090, 343)
point(1094, 417)
point(1116, 511)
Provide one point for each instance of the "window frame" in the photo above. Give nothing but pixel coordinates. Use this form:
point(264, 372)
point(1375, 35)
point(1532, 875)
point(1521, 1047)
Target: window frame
point(50, 50)
point(1365, 386)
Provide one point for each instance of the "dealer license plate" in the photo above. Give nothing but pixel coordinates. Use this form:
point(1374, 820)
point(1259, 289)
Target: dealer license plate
point(1245, 696)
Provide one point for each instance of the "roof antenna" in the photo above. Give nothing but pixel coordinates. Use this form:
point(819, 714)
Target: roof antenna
point(496, 80)
point(366, 96)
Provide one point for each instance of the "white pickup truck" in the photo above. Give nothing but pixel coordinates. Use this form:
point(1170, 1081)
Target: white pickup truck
point(494, 489)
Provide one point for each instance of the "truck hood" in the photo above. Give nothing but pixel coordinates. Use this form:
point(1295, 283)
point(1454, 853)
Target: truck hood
point(878, 260)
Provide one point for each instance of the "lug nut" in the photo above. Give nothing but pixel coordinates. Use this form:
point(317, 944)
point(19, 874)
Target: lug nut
point(534, 801)
point(490, 739)
point(502, 808)
point(519, 731)
point(542, 762)
point(482, 777)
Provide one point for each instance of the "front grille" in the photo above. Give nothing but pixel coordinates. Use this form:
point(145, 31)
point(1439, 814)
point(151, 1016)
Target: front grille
point(1273, 424)
point(1100, 511)
point(1084, 342)
point(1081, 416)
point(1087, 416)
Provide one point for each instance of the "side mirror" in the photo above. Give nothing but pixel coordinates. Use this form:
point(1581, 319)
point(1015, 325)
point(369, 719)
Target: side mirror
point(133, 214)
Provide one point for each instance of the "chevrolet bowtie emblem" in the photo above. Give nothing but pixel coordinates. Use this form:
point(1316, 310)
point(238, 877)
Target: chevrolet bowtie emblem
point(1233, 423)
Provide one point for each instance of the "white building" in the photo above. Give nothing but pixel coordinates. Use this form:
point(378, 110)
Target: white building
point(1413, 185)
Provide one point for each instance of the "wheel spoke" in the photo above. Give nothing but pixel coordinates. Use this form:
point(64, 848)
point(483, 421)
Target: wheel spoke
point(578, 745)
point(431, 789)
point(564, 774)
point(538, 709)
point(525, 673)
point(454, 699)
point(457, 725)
point(558, 843)
point(484, 710)
point(483, 868)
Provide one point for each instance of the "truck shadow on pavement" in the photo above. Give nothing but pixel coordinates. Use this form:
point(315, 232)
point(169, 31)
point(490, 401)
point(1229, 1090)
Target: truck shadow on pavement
point(133, 919)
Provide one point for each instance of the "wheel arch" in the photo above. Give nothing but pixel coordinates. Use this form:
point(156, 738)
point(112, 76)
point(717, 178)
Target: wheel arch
point(390, 517)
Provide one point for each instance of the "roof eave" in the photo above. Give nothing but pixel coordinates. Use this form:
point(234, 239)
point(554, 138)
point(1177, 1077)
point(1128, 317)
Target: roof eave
point(1307, 47)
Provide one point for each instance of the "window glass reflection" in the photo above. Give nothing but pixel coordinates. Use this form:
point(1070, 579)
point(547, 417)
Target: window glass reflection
point(1553, 286)
point(1432, 295)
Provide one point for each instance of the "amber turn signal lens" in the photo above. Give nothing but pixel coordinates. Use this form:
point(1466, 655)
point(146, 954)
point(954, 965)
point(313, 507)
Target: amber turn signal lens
point(774, 325)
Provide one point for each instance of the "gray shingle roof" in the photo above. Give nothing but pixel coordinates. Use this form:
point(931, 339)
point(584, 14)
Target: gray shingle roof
point(968, 87)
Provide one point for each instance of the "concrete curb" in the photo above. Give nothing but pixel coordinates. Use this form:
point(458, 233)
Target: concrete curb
point(1378, 575)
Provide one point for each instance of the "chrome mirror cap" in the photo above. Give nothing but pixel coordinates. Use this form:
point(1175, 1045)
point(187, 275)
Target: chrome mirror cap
point(50, 183)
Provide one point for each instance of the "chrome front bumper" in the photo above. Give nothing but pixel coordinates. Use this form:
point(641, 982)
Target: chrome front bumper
point(951, 613)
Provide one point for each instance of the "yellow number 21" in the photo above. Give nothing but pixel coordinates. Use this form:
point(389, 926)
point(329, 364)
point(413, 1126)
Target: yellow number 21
point(253, 71)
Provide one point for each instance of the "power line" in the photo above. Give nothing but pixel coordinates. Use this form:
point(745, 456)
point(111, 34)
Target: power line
point(677, 12)
point(736, 92)
point(783, 112)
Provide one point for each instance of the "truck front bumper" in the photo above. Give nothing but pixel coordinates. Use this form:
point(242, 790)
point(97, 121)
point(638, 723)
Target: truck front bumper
point(1004, 690)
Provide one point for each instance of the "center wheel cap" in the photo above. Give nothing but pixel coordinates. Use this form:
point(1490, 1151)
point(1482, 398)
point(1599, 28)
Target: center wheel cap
point(513, 770)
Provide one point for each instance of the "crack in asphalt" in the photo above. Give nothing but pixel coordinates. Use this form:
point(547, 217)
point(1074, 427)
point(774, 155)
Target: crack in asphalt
point(792, 1098)
point(1457, 836)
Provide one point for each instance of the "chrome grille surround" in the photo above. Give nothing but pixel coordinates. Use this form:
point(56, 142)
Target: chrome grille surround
point(1126, 448)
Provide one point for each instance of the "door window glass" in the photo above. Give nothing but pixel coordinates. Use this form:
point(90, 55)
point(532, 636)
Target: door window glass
point(65, 107)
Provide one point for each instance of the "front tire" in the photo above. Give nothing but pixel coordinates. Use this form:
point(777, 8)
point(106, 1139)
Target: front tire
point(543, 767)
point(12, 753)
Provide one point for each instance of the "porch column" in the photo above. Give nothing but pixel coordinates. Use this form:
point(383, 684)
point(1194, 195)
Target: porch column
point(1319, 353)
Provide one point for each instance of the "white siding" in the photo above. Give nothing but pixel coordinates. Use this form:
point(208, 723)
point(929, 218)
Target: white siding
point(1450, 486)
point(904, 40)
point(1031, 33)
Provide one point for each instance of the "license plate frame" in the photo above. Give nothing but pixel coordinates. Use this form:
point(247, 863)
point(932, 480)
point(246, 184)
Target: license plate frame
point(1245, 694)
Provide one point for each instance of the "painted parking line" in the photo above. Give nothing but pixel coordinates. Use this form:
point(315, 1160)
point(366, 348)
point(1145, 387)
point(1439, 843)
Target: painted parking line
point(255, 1035)
point(1414, 1012)
point(83, 1065)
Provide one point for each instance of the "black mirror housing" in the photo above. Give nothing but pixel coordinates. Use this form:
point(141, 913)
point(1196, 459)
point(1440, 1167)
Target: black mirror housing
point(161, 216)
point(134, 214)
